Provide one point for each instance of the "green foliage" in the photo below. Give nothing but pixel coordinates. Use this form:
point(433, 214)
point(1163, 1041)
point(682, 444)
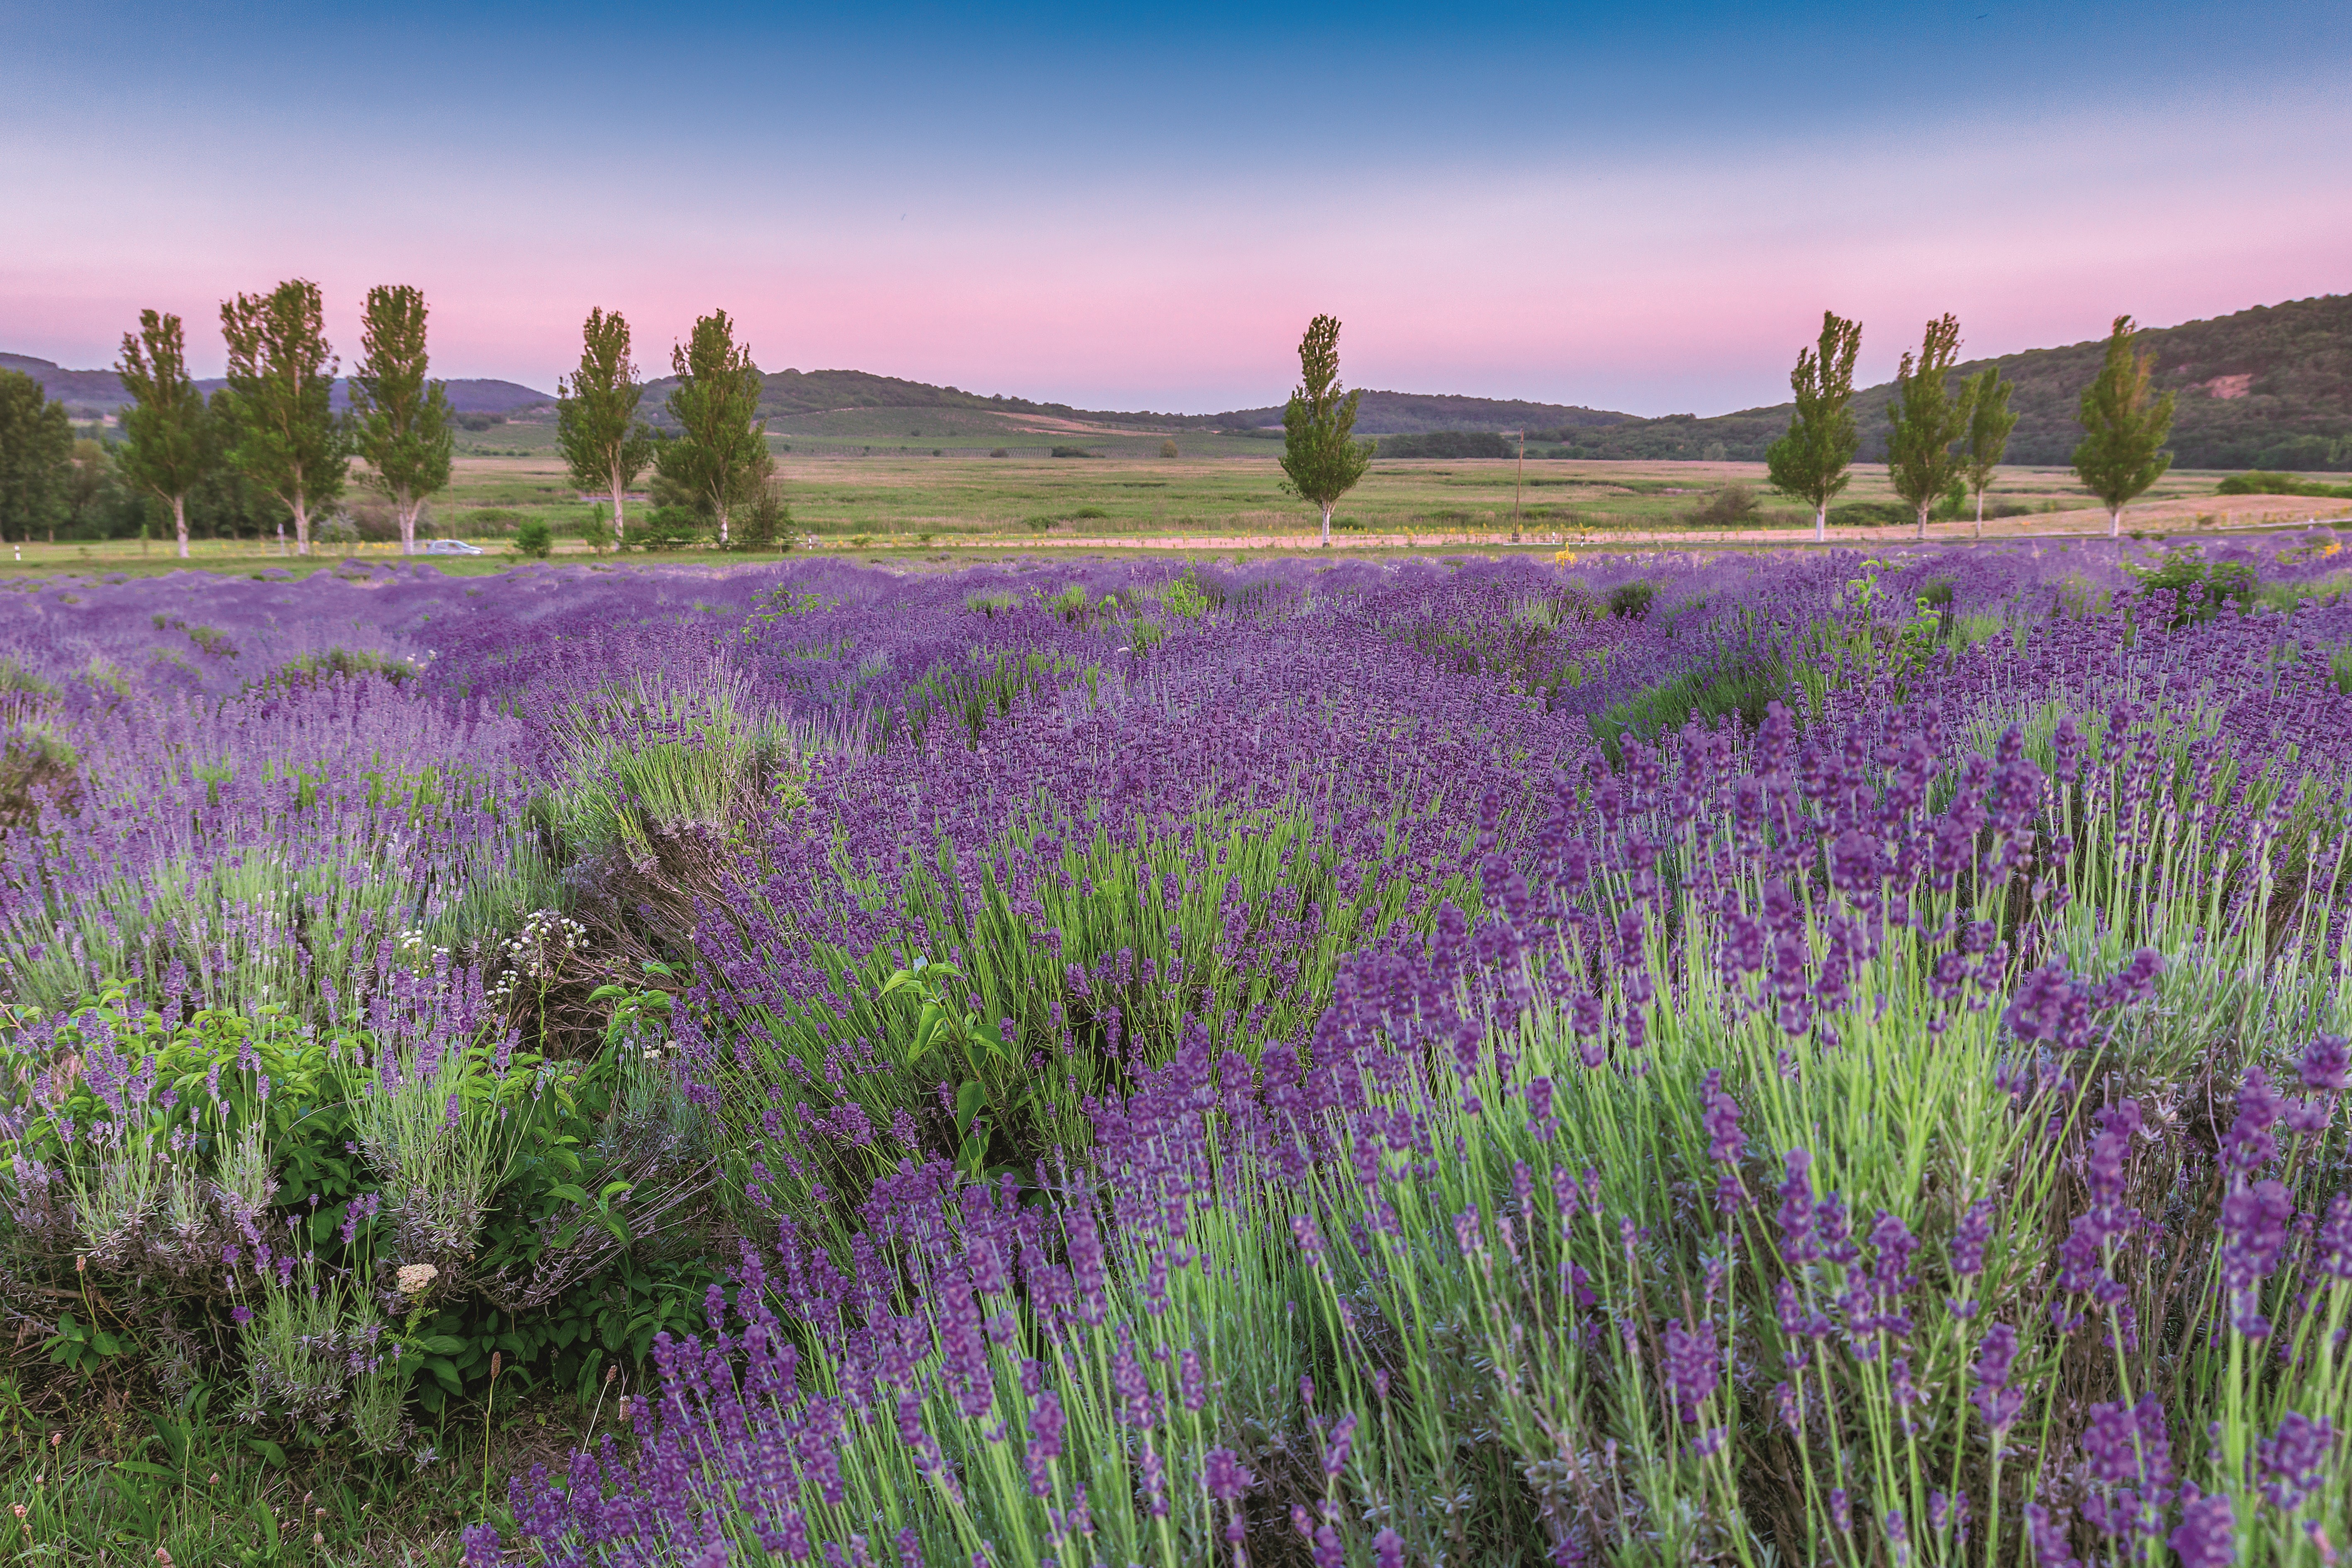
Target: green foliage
point(168, 443)
point(1740, 686)
point(534, 538)
point(596, 424)
point(2202, 588)
point(2123, 429)
point(336, 664)
point(1924, 420)
point(721, 456)
point(1321, 460)
point(1444, 444)
point(1810, 463)
point(281, 375)
point(35, 445)
point(399, 420)
point(1631, 601)
point(2258, 483)
point(1073, 452)
point(767, 522)
point(669, 528)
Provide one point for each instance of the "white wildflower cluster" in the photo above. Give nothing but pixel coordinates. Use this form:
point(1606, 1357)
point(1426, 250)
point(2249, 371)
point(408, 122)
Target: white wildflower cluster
point(537, 952)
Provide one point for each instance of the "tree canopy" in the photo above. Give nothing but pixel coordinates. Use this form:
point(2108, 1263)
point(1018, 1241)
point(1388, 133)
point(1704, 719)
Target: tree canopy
point(400, 421)
point(596, 422)
point(720, 457)
point(1923, 419)
point(1813, 463)
point(281, 376)
point(168, 445)
point(36, 448)
point(1990, 419)
point(1321, 455)
point(2123, 428)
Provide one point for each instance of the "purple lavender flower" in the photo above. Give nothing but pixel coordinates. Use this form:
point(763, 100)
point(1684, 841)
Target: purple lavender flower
point(2049, 1534)
point(1693, 1364)
point(1224, 1476)
point(2294, 1460)
point(2325, 1062)
point(1996, 1353)
point(2207, 1535)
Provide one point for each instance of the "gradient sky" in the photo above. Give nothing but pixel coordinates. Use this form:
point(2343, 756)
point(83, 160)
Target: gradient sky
point(1635, 207)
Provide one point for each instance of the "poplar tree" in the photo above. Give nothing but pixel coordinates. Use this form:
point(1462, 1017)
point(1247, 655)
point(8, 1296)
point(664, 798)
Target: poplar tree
point(167, 436)
point(281, 379)
point(1319, 453)
point(1990, 423)
point(2123, 429)
point(1923, 419)
point(722, 450)
point(596, 422)
point(399, 420)
point(1811, 462)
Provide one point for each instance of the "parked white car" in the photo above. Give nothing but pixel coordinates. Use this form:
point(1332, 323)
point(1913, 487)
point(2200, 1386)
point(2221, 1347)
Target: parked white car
point(450, 547)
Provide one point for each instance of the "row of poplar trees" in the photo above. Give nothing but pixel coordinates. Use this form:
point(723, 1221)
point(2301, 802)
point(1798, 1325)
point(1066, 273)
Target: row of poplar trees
point(275, 423)
point(1936, 438)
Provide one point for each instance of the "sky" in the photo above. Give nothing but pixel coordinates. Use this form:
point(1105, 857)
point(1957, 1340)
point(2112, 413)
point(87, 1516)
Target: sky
point(1644, 208)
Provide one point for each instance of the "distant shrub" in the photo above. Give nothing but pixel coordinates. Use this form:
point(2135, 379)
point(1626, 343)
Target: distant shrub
point(669, 528)
point(1039, 524)
point(998, 452)
point(2256, 482)
point(1730, 507)
point(766, 523)
point(1631, 601)
point(1073, 452)
point(310, 668)
point(535, 538)
point(1087, 511)
point(1871, 514)
point(1168, 448)
point(596, 531)
point(2201, 588)
point(479, 422)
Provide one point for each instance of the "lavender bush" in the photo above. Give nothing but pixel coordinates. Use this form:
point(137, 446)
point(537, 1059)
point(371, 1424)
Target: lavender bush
point(1835, 1058)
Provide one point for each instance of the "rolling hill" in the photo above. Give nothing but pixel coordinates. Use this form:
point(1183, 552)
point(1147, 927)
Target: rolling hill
point(2269, 387)
point(91, 392)
point(2265, 388)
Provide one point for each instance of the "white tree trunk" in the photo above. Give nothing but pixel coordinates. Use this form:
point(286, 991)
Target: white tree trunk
point(180, 523)
point(1326, 525)
point(301, 523)
point(722, 525)
point(1922, 518)
point(1822, 523)
point(1981, 514)
point(2115, 523)
point(619, 531)
point(405, 507)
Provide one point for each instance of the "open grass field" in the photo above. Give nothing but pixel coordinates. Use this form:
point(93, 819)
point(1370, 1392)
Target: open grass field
point(899, 501)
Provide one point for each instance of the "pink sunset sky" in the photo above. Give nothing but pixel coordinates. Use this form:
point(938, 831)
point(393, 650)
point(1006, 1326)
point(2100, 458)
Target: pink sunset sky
point(1652, 255)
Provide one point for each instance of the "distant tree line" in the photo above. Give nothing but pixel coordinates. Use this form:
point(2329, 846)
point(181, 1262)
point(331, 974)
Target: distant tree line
point(268, 451)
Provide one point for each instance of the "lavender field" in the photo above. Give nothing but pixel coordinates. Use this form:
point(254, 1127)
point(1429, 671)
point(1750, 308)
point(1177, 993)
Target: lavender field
point(1759, 1060)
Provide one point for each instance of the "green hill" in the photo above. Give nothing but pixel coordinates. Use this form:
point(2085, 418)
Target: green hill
point(2265, 388)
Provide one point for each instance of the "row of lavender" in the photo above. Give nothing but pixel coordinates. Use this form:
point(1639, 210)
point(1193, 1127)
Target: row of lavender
point(1223, 1048)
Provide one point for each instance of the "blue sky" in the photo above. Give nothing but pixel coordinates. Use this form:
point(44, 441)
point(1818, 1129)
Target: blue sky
point(1641, 209)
